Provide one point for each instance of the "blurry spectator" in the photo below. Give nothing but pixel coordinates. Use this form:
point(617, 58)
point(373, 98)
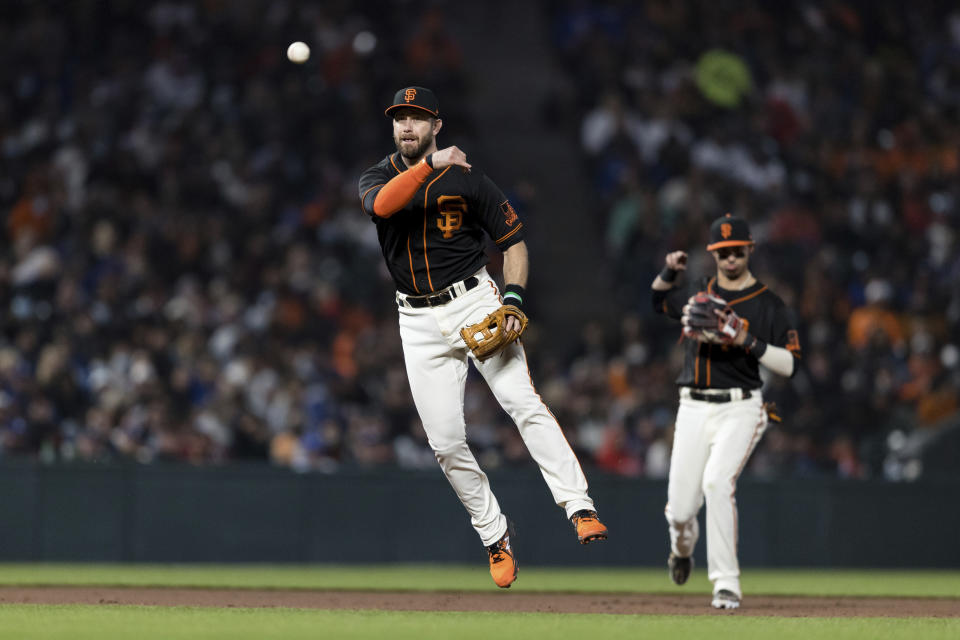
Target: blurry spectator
point(876, 320)
point(929, 389)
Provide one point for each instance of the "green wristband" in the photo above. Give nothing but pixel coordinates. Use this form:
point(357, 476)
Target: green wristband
point(513, 294)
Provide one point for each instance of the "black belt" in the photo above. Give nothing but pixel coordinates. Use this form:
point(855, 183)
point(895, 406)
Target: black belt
point(716, 397)
point(418, 302)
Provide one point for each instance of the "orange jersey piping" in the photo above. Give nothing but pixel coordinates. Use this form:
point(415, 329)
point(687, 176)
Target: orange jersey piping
point(747, 297)
point(426, 195)
point(738, 300)
point(519, 226)
point(398, 170)
point(709, 351)
point(412, 275)
point(364, 196)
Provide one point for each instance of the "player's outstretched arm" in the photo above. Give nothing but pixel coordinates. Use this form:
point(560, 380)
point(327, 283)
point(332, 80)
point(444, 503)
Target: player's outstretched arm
point(674, 263)
point(400, 189)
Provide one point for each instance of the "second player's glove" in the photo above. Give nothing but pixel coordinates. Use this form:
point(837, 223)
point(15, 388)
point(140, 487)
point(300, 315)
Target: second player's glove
point(708, 318)
point(493, 336)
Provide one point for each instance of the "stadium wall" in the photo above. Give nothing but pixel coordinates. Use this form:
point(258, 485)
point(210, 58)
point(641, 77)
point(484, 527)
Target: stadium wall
point(159, 513)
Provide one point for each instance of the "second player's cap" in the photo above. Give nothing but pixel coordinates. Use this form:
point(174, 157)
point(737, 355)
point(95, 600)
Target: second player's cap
point(416, 97)
point(729, 231)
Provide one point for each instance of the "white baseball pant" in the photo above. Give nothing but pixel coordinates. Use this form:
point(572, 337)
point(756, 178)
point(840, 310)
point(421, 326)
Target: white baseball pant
point(437, 359)
point(711, 445)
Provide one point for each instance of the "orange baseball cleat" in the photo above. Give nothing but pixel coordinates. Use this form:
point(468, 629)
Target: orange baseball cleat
point(503, 564)
point(589, 527)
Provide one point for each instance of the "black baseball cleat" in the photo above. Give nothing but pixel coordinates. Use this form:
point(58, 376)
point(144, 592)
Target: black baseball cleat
point(680, 568)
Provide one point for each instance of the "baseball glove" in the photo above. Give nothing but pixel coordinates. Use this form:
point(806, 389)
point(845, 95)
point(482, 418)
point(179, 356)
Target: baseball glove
point(493, 336)
point(708, 318)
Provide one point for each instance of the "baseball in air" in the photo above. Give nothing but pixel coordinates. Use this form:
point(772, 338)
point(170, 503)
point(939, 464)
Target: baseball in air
point(298, 52)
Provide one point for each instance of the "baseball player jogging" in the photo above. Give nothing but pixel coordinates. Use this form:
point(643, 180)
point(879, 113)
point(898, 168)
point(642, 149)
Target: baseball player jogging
point(432, 209)
point(731, 324)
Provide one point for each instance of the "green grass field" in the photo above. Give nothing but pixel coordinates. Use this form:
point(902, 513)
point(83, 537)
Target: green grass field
point(29, 622)
point(109, 622)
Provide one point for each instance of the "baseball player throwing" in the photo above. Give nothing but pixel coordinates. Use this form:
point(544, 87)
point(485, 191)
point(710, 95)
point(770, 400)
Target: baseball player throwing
point(732, 324)
point(432, 209)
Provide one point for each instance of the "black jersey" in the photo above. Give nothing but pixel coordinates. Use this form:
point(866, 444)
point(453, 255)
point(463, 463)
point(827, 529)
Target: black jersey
point(437, 239)
point(717, 366)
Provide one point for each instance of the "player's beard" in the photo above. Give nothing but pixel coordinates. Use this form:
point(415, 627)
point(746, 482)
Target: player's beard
point(418, 151)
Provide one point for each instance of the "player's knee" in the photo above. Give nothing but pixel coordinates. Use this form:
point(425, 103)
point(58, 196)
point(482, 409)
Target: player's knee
point(681, 518)
point(530, 412)
point(717, 487)
point(450, 450)
point(679, 513)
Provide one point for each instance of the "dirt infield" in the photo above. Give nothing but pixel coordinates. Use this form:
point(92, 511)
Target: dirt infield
point(659, 604)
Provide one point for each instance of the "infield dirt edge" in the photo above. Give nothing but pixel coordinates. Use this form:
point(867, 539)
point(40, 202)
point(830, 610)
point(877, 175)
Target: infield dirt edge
point(494, 601)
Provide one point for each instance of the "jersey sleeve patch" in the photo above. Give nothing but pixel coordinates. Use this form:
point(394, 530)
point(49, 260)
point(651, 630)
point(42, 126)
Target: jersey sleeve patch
point(793, 342)
point(509, 215)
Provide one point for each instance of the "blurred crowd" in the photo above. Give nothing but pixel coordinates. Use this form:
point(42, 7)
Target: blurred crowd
point(187, 275)
point(834, 128)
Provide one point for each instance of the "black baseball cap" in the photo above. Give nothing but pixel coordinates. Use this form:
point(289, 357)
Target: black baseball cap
point(416, 97)
point(729, 231)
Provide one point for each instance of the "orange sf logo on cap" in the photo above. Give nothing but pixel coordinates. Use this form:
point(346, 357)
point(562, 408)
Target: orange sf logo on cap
point(410, 95)
point(726, 230)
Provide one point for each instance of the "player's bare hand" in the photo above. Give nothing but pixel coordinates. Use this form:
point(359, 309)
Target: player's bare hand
point(677, 260)
point(451, 156)
point(512, 324)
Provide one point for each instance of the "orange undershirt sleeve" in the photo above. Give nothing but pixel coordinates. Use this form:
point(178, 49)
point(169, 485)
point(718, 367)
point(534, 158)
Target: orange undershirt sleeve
point(400, 190)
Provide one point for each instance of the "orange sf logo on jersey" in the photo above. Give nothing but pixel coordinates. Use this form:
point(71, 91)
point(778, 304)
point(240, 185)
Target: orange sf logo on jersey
point(452, 210)
point(410, 95)
point(726, 230)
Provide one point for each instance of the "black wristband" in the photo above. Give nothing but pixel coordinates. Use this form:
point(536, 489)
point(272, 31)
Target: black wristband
point(429, 160)
point(668, 274)
point(755, 346)
point(514, 294)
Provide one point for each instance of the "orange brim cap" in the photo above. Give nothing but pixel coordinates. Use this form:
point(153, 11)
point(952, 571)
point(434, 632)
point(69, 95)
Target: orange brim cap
point(729, 243)
point(388, 110)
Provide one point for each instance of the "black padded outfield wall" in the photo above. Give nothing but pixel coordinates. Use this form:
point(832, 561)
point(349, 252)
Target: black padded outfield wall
point(264, 514)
